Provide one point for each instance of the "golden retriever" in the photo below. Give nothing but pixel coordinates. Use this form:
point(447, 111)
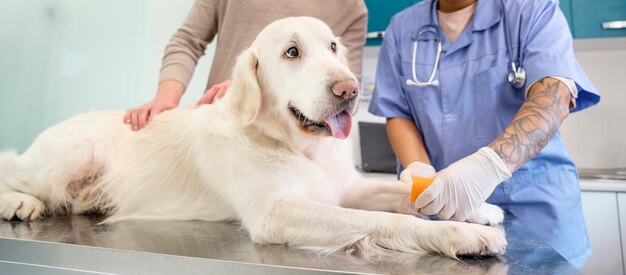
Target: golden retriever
point(271, 154)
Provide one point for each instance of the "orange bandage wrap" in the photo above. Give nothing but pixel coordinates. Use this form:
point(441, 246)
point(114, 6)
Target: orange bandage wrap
point(419, 185)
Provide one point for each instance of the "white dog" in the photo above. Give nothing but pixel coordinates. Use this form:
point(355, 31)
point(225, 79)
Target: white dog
point(270, 154)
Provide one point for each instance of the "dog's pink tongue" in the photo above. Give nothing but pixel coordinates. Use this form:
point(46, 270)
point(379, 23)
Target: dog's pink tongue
point(340, 124)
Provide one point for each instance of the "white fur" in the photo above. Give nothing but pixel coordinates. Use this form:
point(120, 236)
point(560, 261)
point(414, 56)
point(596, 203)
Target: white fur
point(244, 158)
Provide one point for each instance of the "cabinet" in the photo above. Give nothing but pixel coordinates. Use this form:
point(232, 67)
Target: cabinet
point(379, 16)
point(584, 17)
point(603, 226)
point(621, 206)
point(381, 11)
point(590, 18)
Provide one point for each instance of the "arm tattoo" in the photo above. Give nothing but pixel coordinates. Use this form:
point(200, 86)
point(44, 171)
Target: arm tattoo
point(534, 125)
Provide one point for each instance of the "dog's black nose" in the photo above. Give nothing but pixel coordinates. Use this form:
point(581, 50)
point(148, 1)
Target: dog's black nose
point(346, 89)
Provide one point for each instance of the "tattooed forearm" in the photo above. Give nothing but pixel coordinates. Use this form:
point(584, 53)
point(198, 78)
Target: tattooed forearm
point(534, 125)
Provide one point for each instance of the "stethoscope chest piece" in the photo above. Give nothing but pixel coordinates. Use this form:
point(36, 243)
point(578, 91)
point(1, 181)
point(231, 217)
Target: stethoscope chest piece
point(517, 76)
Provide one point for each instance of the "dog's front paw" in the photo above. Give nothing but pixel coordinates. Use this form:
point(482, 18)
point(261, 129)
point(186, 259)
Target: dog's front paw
point(488, 214)
point(461, 239)
point(22, 206)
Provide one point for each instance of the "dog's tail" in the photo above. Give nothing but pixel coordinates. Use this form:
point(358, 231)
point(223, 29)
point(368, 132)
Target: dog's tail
point(9, 170)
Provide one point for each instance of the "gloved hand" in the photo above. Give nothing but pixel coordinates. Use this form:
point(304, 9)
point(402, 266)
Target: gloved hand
point(463, 186)
point(417, 168)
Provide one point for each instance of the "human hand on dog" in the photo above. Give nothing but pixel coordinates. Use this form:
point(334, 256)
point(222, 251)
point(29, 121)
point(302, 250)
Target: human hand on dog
point(168, 96)
point(417, 169)
point(464, 186)
point(214, 93)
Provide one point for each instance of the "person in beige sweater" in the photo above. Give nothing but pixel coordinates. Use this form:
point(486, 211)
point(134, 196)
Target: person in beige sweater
point(238, 23)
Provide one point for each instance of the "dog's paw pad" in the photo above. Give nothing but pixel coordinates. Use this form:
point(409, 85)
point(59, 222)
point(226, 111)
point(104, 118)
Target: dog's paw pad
point(20, 206)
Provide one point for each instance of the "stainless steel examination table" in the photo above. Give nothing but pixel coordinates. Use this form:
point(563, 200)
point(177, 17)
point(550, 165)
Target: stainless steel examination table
point(78, 245)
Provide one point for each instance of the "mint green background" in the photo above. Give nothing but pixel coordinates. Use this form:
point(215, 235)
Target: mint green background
point(59, 58)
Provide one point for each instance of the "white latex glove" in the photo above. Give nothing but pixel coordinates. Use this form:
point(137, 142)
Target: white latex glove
point(463, 186)
point(417, 168)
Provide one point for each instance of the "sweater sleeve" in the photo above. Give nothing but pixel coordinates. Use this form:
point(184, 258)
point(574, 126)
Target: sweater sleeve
point(188, 44)
point(354, 39)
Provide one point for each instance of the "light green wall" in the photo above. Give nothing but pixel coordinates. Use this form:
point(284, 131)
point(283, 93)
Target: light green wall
point(64, 57)
point(25, 39)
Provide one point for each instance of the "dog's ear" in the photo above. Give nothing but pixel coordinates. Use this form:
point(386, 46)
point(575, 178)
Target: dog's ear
point(245, 85)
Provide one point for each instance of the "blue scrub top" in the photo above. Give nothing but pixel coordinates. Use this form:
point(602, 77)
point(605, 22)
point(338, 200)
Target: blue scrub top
point(474, 103)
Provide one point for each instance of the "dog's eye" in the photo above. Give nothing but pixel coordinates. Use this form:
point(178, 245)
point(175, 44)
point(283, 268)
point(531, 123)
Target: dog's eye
point(333, 47)
point(292, 52)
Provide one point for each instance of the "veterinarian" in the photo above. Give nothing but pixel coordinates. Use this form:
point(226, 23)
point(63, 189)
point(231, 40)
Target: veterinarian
point(238, 23)
point(477, 90)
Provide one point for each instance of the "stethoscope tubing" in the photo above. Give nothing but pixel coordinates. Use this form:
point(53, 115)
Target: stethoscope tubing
point(431, 81)
point(516, 77)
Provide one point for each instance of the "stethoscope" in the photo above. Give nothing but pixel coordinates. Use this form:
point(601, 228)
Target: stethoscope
point(516, 76)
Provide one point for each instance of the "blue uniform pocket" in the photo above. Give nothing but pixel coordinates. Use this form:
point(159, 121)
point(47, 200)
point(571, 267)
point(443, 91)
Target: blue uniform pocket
point(496, 102)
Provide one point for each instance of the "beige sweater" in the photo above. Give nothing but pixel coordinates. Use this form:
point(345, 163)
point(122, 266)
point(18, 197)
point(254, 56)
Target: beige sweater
point(239, 21)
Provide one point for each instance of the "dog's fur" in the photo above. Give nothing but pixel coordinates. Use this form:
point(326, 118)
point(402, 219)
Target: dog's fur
point(251, 157)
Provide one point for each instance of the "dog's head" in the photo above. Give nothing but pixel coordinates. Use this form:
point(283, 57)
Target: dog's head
point(296, 73)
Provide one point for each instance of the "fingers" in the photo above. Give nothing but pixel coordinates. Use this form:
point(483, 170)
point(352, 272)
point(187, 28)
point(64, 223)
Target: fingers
point(208, 96)
point(428, 203)
point(214, 93)
point(406, 176)
point(134, 117)
point(429, 195)
point(433, 208)
point(417, 168)
point(138, 117)
point(142, 117)
point(127, 116)
point(459, 216)
point(222, 88)
point(219, 94)
point(435, 205)
point(447, 212)
point(443, 205)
